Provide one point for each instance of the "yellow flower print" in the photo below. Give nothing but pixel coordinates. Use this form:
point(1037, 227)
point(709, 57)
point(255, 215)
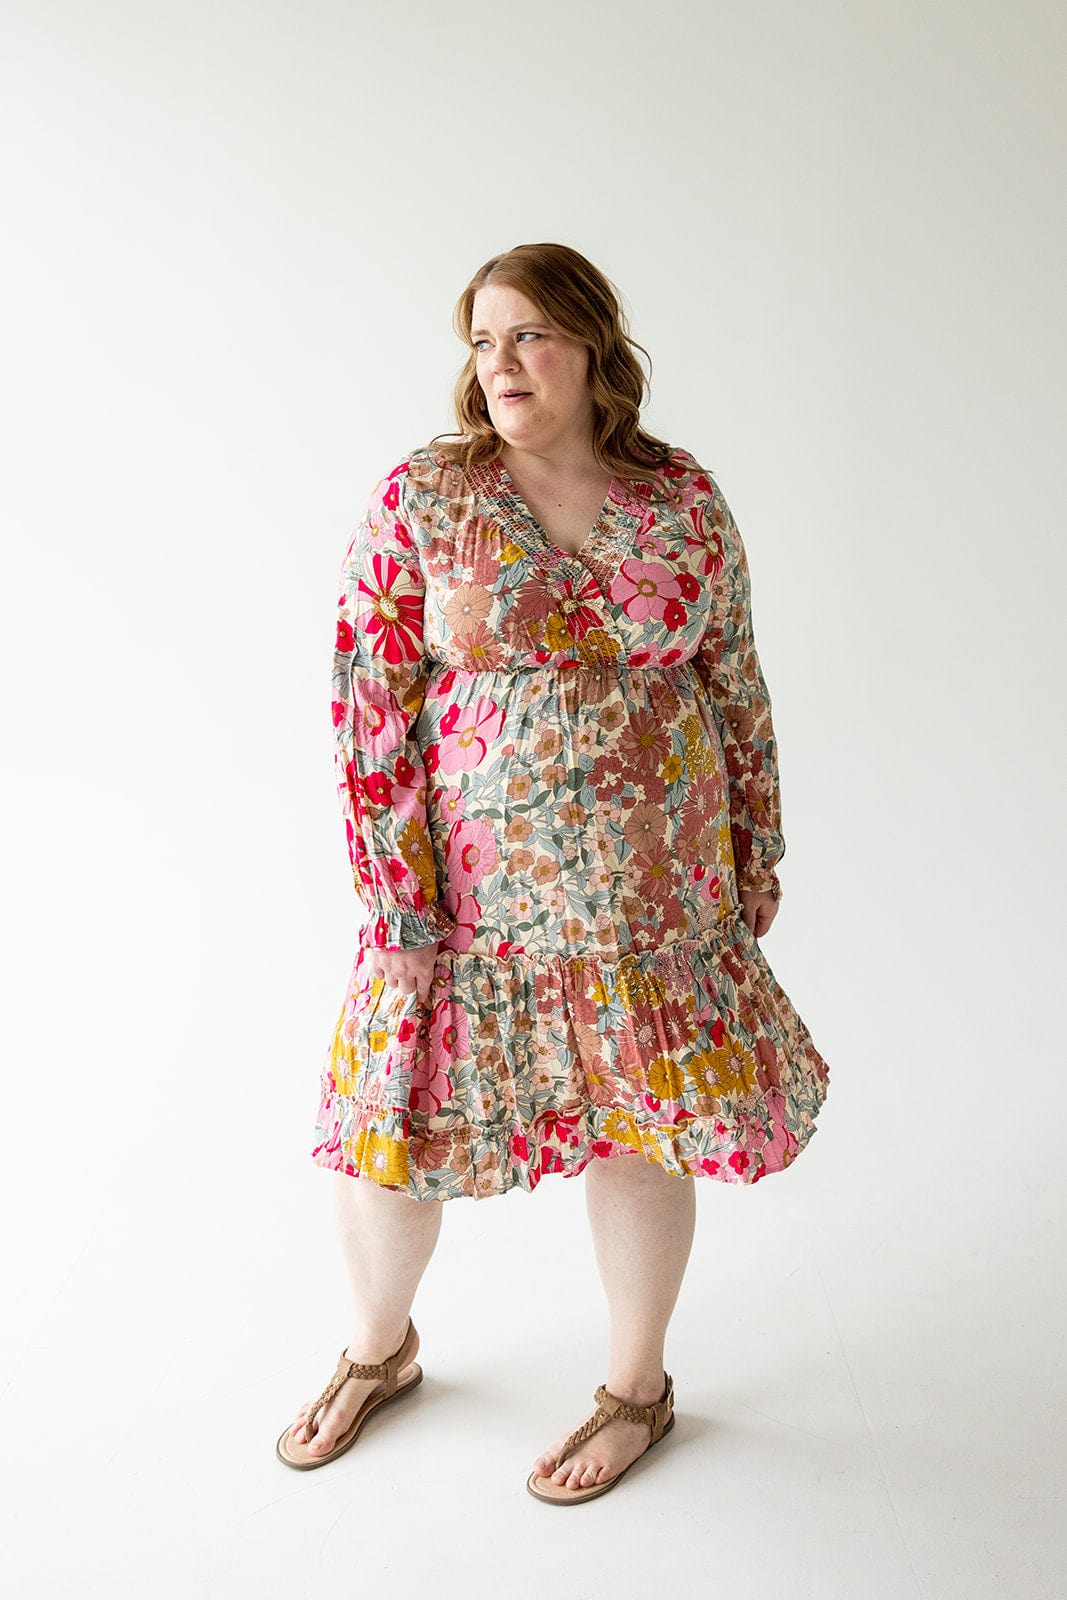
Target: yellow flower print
point(672, 769)
point(665, 1079)
point(381, 1158)
point(596, 645)
point(415, 847)
point(377, 1039)
point(512, 553)
point(600, 993)
point(735, 1069)
point(557, 633)
point(621, 1126)
point(344, 1063)
point(650, 1147)
point(699, 755)
point(635, 987)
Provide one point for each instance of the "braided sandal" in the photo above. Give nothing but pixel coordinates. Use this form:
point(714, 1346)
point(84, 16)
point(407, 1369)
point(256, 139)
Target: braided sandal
point(659, 1417)
point(296, 1454)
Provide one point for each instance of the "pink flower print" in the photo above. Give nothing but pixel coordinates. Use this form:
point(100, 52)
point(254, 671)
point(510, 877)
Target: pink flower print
point(468, 914)
point(431, 1085)
point(378, 722)
point(467, 732)
point(480, 647)
point(449, 1037)
point(467, 606)
point(452, 804)
point(471, 853)
point(647, 590)
point(390, 606)
point(391, 497)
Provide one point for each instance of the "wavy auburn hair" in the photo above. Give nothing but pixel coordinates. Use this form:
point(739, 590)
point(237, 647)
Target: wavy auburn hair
point(576, 297)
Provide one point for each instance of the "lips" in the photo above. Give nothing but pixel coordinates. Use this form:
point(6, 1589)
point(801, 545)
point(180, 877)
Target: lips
point(515, 394)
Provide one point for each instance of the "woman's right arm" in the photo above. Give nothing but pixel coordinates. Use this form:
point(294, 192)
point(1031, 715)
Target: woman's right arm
point(379, 681)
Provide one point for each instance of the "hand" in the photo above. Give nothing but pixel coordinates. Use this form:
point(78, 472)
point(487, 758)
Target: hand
point(407, 970)
point(759, 909)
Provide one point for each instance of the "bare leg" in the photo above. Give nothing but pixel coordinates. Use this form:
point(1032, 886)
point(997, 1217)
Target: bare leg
point(643, 1220)
point(387, 1239)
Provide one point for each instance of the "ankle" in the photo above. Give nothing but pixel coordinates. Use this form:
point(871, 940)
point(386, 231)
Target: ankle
point(373, 1343)
point(638, 1388)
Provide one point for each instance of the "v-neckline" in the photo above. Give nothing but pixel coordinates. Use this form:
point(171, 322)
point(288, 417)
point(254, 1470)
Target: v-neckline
point(603, 546)
point(603, 516)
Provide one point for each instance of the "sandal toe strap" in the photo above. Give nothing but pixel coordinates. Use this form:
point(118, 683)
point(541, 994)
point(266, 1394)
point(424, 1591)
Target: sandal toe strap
point(386, 1370)
point(345, 1369)
point(611, 1405)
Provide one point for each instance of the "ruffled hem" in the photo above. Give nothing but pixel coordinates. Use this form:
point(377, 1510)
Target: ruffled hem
point(524, 1065)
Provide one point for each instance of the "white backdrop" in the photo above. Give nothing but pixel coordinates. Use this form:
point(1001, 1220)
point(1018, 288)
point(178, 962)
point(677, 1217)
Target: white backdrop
point(233, 238)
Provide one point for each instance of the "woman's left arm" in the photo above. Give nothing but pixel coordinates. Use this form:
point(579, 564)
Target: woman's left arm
point(729, 665)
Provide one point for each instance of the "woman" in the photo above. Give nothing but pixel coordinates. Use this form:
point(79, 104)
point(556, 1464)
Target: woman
point(559, 774)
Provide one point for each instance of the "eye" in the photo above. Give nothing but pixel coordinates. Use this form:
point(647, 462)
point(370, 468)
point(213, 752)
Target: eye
point(529, 334)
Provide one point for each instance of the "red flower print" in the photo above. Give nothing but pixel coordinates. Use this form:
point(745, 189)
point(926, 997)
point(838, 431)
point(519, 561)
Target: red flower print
point(391, 497)
point(390, 605)
point(378, 788)
point(581, 609)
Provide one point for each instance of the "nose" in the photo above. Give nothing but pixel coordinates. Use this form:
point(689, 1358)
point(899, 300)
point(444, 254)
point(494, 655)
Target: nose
point(503, 360)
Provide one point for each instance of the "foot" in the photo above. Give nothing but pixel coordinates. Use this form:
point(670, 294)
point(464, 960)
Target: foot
point(339, 1413)
point(607, 1452)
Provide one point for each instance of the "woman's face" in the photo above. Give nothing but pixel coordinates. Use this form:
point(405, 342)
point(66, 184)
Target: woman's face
point(519, 349)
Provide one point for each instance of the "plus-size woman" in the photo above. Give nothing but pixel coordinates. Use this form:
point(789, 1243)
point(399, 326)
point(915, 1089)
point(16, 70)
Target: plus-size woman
point(559, 775)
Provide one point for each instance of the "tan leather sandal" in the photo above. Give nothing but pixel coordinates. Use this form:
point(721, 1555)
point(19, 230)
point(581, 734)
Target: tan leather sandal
point(659, 1417)
point(295, 1453)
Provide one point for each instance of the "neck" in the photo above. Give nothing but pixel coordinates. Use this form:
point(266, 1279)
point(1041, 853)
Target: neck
point(571, 459)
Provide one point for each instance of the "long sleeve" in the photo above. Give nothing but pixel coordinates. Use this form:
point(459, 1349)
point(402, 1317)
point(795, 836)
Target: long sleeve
point(728, 663)
point(379, 682)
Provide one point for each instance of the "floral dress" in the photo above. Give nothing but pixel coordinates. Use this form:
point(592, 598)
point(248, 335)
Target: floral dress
point(562, 769)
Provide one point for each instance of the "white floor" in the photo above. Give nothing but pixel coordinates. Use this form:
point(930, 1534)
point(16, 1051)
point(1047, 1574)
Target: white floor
point(869, 1398)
